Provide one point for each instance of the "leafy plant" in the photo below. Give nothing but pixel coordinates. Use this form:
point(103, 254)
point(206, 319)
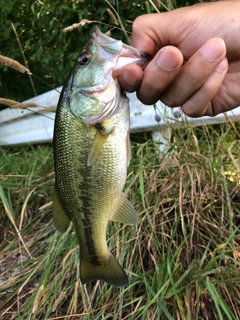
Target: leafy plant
point(49, 51)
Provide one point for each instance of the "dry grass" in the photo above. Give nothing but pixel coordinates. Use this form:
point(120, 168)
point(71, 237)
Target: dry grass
point(17, 105)
point(8, 62)
point(183, 257)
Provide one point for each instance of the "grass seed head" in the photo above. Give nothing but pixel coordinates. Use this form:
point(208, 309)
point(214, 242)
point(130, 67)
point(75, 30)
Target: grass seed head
point(8, 62)
point(77, 25)
point(17, 105)
point(112, 16)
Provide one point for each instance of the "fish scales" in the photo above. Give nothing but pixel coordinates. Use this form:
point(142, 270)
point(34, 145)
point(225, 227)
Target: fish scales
point(91, 153)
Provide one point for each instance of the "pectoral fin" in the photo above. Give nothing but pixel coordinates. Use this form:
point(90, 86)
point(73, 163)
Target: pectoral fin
point(125, 212)
point(97, 145)
point(51, 109)
point(104, 129)
point(129, 151)
point(60, 219)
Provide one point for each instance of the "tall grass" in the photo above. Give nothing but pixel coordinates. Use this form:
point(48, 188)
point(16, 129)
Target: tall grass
point(183, 257)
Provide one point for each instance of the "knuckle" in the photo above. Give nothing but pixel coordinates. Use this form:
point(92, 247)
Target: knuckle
point(137, 23)
point(169, 101)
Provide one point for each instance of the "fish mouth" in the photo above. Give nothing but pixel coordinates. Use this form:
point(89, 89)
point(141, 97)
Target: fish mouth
point(98, 88)
point(119, 52)
point(116, 54)
point(91, 90)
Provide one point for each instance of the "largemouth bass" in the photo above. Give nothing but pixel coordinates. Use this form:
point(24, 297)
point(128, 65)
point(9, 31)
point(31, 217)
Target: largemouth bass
point(91, 153)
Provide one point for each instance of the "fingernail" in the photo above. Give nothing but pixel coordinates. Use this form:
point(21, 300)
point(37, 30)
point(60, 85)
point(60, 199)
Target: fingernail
point(167, 60)
point(213, 50)
point(129, 76)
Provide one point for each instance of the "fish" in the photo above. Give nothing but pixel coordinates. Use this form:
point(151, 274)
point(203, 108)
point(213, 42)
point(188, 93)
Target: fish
point(92, 151)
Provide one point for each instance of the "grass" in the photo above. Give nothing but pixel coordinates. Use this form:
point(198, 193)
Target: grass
point(183, 257)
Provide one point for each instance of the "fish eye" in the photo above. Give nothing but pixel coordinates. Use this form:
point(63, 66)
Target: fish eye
point(84, 58)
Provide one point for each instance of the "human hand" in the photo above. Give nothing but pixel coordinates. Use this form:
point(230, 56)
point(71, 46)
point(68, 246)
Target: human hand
point(205, 38)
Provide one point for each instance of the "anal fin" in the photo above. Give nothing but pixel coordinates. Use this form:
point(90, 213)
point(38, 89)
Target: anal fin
point(125, 212)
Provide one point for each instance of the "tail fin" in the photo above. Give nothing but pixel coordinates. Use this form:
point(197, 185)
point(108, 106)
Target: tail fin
point(110, 272)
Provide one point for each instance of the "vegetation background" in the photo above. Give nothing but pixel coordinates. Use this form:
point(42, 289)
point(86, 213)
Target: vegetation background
point(49, 51)
point(183, 257)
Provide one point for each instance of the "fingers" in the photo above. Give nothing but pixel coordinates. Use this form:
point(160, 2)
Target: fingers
point(147, 33)
point(191, 86)
point(195, 73)
point(130, 77)
point(199, 104)
point(159, 73)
